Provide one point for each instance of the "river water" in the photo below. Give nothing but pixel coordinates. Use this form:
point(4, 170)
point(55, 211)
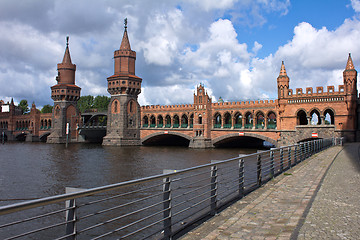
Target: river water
point(35, 170)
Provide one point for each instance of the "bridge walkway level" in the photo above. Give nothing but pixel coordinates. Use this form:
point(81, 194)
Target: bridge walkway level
point(317, 199)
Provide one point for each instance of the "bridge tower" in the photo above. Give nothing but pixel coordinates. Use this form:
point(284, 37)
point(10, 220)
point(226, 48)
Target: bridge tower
point(65, 95)
point(283, 82)
point(202, 119)
point(350, 84)
point(123, 121)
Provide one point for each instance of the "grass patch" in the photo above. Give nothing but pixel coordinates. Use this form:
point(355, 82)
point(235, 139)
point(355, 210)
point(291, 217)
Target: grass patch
point(287, 174)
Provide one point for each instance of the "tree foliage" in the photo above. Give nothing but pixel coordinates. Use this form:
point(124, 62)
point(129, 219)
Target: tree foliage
point(47, 109)
point(88, 102)
point(24, 106)
point(101, 103)
point(85, 103)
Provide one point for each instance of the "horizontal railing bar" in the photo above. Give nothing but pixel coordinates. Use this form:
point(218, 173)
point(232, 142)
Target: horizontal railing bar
point(119, 195)
point(130, 224)
point(36, 217)
point(40, 229)
point(119, 206)
point(192, 206)
point(124, 215)
point(143, 228)
point(197, 181)
point(194, 175)
point(190, 199)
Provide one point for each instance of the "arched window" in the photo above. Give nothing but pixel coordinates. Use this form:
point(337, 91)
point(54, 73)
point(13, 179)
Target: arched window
point(238, 120)
point(167, 121)
point(41, 124)
point(116, 107)
point(184, 121)
point(329, 117)
point(271, 120)
point(227, 120)
point(49, 123)
point(248, 120)
point(301, 118)
point(131, 106)
point(145, 121)
point(315, 117)
point(260, 120)
point(200, 119)
point(160, 121)
point(217, 120)
point(176, 123)
point(152, 121)
point(191, 120)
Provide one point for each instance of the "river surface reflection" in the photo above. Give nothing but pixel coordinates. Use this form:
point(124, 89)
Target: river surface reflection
point(34, 170)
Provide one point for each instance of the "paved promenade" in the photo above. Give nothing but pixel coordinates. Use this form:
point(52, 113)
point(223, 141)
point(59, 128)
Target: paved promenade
point(317, 199)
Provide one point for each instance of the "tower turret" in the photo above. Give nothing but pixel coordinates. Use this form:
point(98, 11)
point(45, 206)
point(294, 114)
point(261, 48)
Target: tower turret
point(65, 95)
point(283, 82)
point(350, 78)
point(123, 122)
point(202, 119)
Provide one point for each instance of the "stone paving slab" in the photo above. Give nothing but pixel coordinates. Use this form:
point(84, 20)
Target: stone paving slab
point(335, 212)
point(275, 210)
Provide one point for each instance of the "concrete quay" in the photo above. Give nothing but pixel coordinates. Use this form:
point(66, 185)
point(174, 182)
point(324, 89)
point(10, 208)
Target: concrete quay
point(317, 199)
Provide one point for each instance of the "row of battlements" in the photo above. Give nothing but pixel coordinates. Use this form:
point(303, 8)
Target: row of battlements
point(166, 107)
point(319, 91)
point(250, 102)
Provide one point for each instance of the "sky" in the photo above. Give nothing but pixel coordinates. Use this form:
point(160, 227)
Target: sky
point(233, 47)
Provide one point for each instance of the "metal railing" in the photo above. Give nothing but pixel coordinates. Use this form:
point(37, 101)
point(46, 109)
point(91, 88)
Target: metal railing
point(156, 207)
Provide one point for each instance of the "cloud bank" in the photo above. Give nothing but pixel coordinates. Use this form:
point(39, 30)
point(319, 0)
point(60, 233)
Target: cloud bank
point(179, 44)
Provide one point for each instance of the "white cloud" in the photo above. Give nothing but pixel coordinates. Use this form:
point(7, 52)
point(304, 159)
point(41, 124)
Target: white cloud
point(179, 44)
point(355, 5)
point(314, 57)
point(208, 5)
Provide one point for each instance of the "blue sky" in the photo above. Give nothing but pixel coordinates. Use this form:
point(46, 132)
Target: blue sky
point(278, 29)
point(234, 47)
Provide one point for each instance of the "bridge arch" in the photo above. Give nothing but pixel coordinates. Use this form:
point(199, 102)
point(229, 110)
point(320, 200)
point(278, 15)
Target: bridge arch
point(21, 136)
point(166, 138)
point(219, 140)
point(44, 136)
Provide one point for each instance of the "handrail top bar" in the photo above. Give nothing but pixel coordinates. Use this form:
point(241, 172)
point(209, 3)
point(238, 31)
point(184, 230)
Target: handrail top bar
point(88, 192)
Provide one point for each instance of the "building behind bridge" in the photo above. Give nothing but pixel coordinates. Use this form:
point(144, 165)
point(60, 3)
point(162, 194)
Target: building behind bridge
point(296, 115)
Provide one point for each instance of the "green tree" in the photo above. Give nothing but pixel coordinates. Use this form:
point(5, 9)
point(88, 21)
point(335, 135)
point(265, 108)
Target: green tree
point(85, 103)
point(24, 106)
point(47, 109)
point(101, 103)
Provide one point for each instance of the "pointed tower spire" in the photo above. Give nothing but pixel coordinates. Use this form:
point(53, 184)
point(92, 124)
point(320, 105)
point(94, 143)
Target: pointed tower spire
point(67, 58)
point(12, 101)
point(283, 82)
point(283, 70)
point(349, 64)
point(125, 43)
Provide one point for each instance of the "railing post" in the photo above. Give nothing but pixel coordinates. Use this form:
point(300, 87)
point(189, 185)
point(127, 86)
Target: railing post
point(70, 219)
point(213, 192)
point(295, 153)
point(259, 181)
point(70, 214)
point(281, 159)
point(289, 157)
point(241, 177)
point(272, 170)
point(167, 207)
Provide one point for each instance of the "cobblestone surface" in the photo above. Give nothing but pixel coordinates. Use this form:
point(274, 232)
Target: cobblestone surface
point(335, 212)
point(275, 210)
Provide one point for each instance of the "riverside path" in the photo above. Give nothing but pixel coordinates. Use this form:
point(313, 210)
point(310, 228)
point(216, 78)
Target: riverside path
point(317, 199)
